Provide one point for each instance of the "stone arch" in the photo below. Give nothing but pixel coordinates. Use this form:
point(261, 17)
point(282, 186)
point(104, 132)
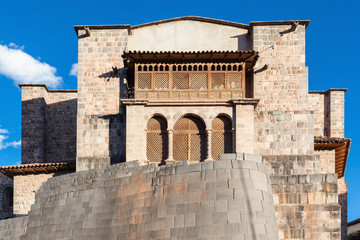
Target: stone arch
point(197, 114)
point(189, 142)
point(222, 136)
point(157, 139)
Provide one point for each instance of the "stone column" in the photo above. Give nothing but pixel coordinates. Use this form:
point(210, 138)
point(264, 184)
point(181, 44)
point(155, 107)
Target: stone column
point(170, 158)
point(209, 135)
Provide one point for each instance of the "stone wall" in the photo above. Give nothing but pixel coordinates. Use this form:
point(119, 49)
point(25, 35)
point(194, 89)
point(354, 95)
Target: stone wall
point(327, 160)
point(138, 114)
point(283, 120)
point(337, 108)
point(225, 199)
point(25, 188)
point(6, 197)
point(329, 112)
point(48, 124)
point(99, 119)
point(60, 120)
point(14, 228)
point(188, 35)
point(292, 164)
point(307, 206)
point(342, 191)
point(319, 103)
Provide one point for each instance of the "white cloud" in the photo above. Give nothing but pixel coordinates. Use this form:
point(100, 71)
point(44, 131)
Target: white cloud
point(4, 144)
point(23, 68)
point(74, 70)
point(13, 45)
point(3, 131)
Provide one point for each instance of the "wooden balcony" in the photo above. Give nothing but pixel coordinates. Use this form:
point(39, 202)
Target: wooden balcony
point(189, 81)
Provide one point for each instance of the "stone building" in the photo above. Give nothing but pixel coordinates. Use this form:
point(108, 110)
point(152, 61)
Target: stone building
point(214, 128)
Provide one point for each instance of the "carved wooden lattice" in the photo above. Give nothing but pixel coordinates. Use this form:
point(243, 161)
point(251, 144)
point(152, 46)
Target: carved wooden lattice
point(189, 141)
point(222, 139)
point(235, 81)
point(194, 77)
point(181, 81)
point(144, 81)
point(199, 81)
point(217, 80)
point(156, 140)
point(161, 81)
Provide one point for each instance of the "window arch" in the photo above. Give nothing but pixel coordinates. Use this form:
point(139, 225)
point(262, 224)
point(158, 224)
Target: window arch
point(157, 139)
point(189, 141)
point(222, 139)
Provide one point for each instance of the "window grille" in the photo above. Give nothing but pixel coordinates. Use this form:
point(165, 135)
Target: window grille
point(222, 138)
point(157, 140)
point(199, 81)
point(161, 81)
point(144, 80)
point(180, 80)
point(189, 141)
point(235, 80)
point(217, 80)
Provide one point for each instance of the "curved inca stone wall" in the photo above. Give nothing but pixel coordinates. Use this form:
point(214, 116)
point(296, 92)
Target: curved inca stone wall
point(225, 199)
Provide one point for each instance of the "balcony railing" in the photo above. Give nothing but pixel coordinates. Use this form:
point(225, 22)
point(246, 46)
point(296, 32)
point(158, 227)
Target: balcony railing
point(190, 81)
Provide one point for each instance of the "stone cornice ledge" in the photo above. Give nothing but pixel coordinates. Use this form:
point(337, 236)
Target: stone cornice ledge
point(146, 102)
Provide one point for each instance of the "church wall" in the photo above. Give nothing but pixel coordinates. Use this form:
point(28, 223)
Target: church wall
point(33, 124)
point(329, 112)
point(343, 191)
point(319, 102)
point(327, 160)
point(60, 117)
point(48, 124)
point(337, 108)
point(137, 117)
point(284, 122)
point(99, 119)
point(189, 35)
point(6, 190)
point(25, 188)
point(307, 206)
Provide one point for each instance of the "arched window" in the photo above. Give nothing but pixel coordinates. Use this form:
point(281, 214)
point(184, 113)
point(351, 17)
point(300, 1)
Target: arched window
point(7, 198)
point(189, 142)
point(157, 139)
point(222, 139)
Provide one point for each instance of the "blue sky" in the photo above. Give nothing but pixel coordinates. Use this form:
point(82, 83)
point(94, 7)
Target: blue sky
point(41, 34)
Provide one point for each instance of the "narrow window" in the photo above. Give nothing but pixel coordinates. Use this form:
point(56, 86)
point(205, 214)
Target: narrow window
point(157, 139)
point(222, 139)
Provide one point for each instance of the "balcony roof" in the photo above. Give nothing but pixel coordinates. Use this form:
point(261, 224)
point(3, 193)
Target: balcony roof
point(190, 57)
point(341, 146)
point(35, 168)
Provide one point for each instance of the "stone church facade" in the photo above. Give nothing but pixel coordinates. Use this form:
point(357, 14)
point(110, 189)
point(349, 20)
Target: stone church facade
point(210, 121)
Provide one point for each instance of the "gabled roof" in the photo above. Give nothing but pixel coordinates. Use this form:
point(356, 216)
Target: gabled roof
point(195, 18)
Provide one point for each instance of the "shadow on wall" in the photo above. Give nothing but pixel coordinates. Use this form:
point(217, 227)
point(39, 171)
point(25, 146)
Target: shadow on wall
point(60, 135)
point(6, 201)
point(117, 122)
point(326, 115)
point(342, 199)
point(243, 42)
point(48, 131)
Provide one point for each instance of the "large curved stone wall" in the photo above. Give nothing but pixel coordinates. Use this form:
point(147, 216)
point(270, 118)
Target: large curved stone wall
point(226, 199)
